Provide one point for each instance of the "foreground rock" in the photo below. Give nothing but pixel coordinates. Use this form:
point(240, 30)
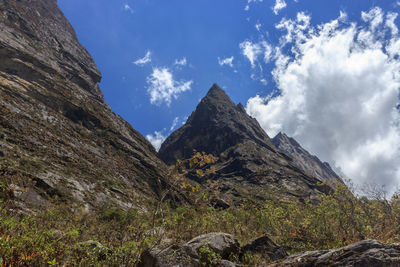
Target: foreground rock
point(366, 253)
point(212, 248)
point(265, 247)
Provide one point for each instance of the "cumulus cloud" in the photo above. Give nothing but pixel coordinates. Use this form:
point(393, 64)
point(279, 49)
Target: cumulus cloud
point(144, 60)
point(391, 17)
point(295, 29)
point(180, 62)
point(226, 61)
point(162, 86)
point(374, 17)
point(279, 5)
point(338, 94)
point(156, 139)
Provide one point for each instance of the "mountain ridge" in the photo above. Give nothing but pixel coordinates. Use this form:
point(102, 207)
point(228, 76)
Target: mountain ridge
point(309, 163)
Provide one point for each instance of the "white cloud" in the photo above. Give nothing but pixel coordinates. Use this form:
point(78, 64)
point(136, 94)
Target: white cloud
point(163, 87)
point(247, 7)
point(338, 96)
point(180, 62)
point(296, 29)
point(128, 8)
point(226, 61)
point(143, 61)
point(174, 124)
point(390, 18)
point(252, 51)
point(279, 5)
point(156, 139)
point(374, 17)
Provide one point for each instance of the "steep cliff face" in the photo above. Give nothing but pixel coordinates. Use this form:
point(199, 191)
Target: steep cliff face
point(249, 164)
point(58, 138)
point(307, 162)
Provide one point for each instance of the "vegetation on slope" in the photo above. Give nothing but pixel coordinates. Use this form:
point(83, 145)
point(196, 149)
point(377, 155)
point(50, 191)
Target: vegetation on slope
point(112, 236)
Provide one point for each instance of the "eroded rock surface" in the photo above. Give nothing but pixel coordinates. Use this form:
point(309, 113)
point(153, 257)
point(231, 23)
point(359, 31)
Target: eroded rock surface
point(307, 162)
point(366, 253)
point(266, 248)
point(57, 135)
point(190, 253)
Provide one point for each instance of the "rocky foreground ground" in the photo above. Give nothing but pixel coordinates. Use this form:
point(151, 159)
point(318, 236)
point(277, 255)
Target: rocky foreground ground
point(219, 249)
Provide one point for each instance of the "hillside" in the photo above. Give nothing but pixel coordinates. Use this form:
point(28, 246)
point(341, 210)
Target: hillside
point(58, 137)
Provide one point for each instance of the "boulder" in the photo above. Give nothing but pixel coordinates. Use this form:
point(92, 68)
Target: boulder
point(221, 243)
point(266, 247)
point(219, 246)
point(366, 253)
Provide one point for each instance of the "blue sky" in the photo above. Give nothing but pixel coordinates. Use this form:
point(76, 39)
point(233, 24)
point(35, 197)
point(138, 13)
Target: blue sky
point(253, 48)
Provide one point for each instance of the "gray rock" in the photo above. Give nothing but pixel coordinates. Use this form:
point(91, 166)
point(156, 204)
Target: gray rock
point(52, 110)
point(188, 254)
point(222, 244)
point(307, 162)
point(366, 253)
point(266, 247)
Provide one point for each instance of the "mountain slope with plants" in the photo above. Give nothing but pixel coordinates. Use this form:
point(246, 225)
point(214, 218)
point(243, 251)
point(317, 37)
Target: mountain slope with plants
point(59, 140)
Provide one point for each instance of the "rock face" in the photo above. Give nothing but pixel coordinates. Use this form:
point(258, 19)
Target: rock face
point(266, 247)
point(57, 134)
point(190, 254)
point(307, 162)
point(366, 253)
point(249, 164)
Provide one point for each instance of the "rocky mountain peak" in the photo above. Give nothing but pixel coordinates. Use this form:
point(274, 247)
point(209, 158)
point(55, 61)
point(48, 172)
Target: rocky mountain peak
point(217, 95)
point(246, 153)
point(215, 125)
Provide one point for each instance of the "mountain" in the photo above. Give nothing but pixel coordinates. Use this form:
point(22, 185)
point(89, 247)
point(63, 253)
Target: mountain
point(249, 165)
point(59, 140)
point(307, 162)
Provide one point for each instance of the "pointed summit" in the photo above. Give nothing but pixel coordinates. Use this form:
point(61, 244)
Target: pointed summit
point(248, 160)
point(215, 125)
point(216, 93)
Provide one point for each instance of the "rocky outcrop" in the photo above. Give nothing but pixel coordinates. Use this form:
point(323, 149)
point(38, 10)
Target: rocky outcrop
point(366, 253)
point(212, 248)
point(266, 248)
point(57, 135)
point(307, 162)
point(217, 249)
point(249, 164)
